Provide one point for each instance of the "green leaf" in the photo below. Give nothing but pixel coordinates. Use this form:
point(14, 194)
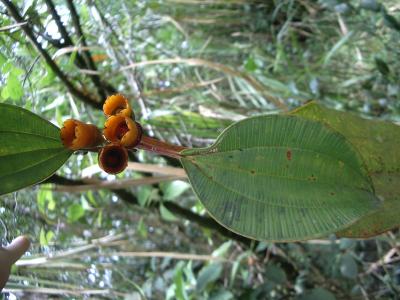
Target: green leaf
point(3, 60)
point(222, 295)
point(346, 244)
point(281, 178)
point(30, 149)
point(318, 294)
point(14, 87)
point(250, 65)
point(275, 274)
point(180, 292)
point(391, 21)
point(208, 274)
point(222, 250)
point(42, 238)
point(372, 5)
point(339, 44)
point(4, 93)
point(99, 218)
point(45, 200)
point(45, 238)
point(166, 214)
point(48, 78)
point(75, 212)
point(348, 266)
point(141, 228)
point(49, 236)
point(378, 143)
point(382, 66)
point(145, 194)
point(172, 190)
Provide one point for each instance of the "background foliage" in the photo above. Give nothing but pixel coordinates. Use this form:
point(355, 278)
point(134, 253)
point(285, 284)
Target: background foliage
point(191, 68)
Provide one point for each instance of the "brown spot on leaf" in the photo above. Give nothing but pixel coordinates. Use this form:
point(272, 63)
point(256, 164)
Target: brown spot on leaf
point(312, 178)
point(252, 172)
point(289, 155)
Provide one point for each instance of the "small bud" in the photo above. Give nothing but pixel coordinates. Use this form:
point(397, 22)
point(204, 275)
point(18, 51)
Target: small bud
point(120, 129)
point(117, 105)
point(113, 158)
point(77, 135)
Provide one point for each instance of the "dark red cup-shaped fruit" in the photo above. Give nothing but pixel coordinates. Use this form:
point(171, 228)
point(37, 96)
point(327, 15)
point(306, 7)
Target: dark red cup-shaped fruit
point(113, 158)
point(77, 135)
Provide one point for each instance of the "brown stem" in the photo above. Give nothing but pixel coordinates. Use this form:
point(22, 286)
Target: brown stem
point(103, 89)
point(159, 147)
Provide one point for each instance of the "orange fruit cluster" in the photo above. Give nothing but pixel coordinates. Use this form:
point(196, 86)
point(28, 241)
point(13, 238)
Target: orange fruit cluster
point(120, 130)
point(77, 135)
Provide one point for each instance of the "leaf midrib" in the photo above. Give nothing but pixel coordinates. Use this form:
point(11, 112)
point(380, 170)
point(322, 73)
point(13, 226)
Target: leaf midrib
point(32, 165)
point(246, 171)
point(31, 134)
point(268, 203)
point(209, 152)
point(30, 151)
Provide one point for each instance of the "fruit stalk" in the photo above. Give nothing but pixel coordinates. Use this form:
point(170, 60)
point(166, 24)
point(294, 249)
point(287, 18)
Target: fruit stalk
point(159, 147)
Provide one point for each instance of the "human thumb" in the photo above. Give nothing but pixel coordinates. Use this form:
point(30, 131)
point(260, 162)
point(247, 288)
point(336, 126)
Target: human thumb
point(17, 248)
point(9, 255)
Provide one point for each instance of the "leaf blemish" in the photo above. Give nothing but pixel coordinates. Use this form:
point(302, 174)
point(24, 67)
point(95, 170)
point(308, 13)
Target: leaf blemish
point(289, 155)
point(253, 172)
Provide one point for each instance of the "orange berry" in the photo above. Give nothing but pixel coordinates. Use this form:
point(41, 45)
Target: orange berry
point(120, 129)
point(113, 158)
point(77, 135)
point(117, 105)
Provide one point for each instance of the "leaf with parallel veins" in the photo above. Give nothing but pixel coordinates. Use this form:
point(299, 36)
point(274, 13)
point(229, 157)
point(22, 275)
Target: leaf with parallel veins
point(281, 178)
point(30, 149)
point(378, 143)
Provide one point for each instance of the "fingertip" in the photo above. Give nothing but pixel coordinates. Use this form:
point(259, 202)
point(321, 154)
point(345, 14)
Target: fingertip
point(18, 247)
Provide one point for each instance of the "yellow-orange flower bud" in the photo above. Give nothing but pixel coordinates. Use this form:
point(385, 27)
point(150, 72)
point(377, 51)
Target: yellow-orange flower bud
point(77, 135)
point(120, 129)
point(113, 158)
point(117, 105)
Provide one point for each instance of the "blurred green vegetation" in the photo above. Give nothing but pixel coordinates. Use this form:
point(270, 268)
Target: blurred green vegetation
point(190, 68)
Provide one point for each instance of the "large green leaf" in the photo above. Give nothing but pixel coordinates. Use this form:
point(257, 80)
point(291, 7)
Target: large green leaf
point(30, 148)
point(281, 178)
point(379, 145)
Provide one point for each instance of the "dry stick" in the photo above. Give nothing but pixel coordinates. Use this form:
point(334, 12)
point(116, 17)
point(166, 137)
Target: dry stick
point(114, 184)
point(58, 291)
point(29, 33)
point(183, 88)
point(9, 27)
point(28, 263)
point(140, 167)
point(216, 66)
point(153, 168)
point(161, 254)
